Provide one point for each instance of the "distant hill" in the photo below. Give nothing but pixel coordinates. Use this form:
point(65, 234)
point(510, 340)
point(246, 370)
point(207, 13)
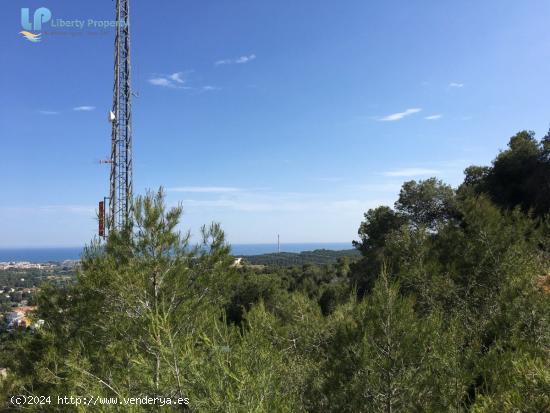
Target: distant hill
point(285, 259)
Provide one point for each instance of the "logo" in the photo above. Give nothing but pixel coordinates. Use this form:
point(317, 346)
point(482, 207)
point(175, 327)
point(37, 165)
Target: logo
point(41, 16)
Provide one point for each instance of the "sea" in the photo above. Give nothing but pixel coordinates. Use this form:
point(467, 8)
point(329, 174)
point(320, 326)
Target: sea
point(74, 253)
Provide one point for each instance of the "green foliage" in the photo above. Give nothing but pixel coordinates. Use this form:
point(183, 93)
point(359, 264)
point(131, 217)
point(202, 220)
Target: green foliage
point(519, 176)
point(316, 257)
point(332, 296)
point(424, 206)
point(383, 357)
point(252, 289)
point(428, 203)
point(378, 223)
point(445, 311)
point(521, 384)
point(374, 231)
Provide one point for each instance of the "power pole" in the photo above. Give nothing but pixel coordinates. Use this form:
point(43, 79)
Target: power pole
point(120, 195)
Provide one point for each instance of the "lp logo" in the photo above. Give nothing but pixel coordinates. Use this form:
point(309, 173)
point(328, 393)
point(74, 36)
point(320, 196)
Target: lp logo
point(41, 15)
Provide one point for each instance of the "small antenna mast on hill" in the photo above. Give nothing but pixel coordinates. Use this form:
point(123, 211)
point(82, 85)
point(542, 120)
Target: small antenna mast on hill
point(278, 244)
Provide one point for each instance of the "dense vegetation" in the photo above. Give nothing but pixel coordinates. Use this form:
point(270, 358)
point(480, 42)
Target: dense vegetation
point(18, 285)
point(33, 277)
point(317, 257)
point(446, 310)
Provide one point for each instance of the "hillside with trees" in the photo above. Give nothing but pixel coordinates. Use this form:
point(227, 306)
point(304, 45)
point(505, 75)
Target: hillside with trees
point(445, 310)
point(316, 257)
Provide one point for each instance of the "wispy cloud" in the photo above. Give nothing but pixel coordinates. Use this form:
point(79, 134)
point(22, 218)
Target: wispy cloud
point(409, 172)
point(209, 88)
point(160, 81)
point(400, 115)
point(205, 189)
point(257, 200)
point(278, 203)
point(456, 84)
point(245, 59)
point(177, 77)
point(84, 108)
point(50, 209)
point(48, 112)
point(238, 61)
point(174, 80)
point(180, 80)
point(433, 117)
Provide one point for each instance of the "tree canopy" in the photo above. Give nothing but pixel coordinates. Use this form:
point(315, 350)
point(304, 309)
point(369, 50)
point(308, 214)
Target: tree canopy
point(446, 310)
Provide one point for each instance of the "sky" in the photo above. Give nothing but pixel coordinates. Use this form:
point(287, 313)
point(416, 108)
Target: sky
point(271, 117)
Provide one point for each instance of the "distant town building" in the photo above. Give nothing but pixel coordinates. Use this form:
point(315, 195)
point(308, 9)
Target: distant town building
point(25, 265)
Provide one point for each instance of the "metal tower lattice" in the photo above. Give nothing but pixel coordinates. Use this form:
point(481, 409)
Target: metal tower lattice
point(120, 201)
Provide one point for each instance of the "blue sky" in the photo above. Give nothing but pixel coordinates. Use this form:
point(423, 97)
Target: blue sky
point(290, 117)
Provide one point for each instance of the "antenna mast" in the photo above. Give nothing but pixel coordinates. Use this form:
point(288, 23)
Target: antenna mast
point(120, 196)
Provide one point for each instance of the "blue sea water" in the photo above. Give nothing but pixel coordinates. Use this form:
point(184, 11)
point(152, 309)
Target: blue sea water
point(256, 249)
point(73, 253)
point(39, 254)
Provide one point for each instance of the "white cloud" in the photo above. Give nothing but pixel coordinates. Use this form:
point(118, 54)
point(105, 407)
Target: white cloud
point(400, 115)
point(262, 200)
point(408, 172)
point(238, 60)
point(433, 117)
point(455, 84)
point(48, 112)
point(278, 203)
point(159, 81)
point(177, 77)
point(245, 59)
point(84, 108)
point(204, 189)
point(174, 80)
point(178, 80)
